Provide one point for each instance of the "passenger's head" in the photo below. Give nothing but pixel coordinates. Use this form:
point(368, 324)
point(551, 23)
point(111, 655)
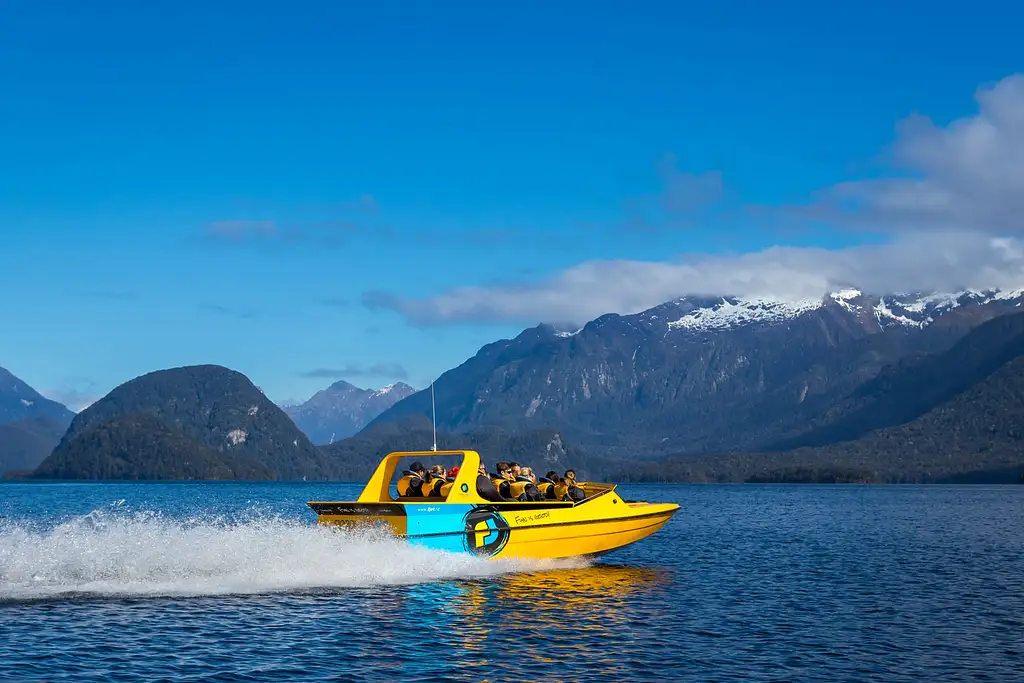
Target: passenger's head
point(516, 469)
point(502, 467)
point(417, 467)
point(552, 475)
point(528, 473)
point(570, 475)
point(437, 471)
point(454, 471)
point(482, 469)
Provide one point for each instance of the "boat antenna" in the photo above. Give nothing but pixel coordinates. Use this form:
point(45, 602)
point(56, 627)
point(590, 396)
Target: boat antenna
point(433, 413)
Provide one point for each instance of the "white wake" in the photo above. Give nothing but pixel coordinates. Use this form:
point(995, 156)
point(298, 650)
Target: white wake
point(147, 554)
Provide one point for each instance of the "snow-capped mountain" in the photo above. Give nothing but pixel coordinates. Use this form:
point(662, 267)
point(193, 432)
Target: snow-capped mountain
point(904, 309)
point(700, 372)
point(341, 410)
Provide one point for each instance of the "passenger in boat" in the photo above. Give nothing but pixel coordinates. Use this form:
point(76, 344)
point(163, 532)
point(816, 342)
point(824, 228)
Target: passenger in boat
point(449, 481)
point(412, 481)
point(515, 468)
point(568, 489)
point(504, 479)
point(486, 488)
point(437, 479)
point(546, 484)
point(524, 488)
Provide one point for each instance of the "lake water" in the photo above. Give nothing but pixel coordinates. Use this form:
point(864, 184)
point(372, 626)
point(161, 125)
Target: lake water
point(232, 582)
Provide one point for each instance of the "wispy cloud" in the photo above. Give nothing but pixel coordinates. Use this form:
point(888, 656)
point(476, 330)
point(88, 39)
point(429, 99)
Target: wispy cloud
point(366, 203)
point(389, 370)
point(968, 175)
point(240, 233)
point(237, 230)
point(326, 223)
point(684, 200)
point(243, 313)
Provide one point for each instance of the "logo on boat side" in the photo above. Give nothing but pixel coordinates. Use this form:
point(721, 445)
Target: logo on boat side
point(487, 532)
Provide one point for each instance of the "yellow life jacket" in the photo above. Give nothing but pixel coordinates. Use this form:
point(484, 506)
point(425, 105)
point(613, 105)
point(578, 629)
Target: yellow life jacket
point(516, 488)
point(405, 484)
point(446, 488)
point(519, 490)
point(432, 488)
point(545, 488)
point(573, 491)
point(561, 490)
point(501, 484)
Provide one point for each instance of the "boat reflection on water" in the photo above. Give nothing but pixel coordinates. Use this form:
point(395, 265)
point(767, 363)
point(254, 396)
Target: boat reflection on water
point(538, 619)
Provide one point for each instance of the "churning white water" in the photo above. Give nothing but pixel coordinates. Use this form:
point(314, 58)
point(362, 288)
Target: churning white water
point(148, 554)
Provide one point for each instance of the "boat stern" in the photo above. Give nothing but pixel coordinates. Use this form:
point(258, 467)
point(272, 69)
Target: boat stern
point(391, 516)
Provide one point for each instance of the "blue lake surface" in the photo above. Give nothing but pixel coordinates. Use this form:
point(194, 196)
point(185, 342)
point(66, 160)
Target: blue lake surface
point(232, 582)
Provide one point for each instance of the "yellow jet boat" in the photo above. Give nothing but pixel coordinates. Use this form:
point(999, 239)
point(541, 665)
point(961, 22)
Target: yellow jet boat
point(465, 522)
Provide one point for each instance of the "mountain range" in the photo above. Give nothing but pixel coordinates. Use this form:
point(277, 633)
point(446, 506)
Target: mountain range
point(341, 410)
point(953, 416)
point(846, 387)
point(700, 375)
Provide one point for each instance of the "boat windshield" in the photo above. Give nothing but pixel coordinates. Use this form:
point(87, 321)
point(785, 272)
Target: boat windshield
point(434, 480)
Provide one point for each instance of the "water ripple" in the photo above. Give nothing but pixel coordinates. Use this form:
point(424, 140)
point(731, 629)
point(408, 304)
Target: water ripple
point(229, 583)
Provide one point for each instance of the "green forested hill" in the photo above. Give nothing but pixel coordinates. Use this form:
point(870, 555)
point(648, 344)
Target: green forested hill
point(195, 421)
point(141, 446)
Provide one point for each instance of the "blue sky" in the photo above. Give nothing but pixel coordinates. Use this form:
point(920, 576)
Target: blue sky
point(233, 183)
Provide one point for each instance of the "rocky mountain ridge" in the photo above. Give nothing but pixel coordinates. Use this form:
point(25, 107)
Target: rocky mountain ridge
point(950, 417)
point(342, 409)
point(699, 374)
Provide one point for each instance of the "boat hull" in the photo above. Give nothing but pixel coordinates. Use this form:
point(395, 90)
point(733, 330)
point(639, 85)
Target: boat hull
point(509, 530)
point(462, 521)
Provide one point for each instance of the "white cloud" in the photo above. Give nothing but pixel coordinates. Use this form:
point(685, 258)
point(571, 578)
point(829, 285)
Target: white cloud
point(968, 175)
point(912, 261)
point(962, 186)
